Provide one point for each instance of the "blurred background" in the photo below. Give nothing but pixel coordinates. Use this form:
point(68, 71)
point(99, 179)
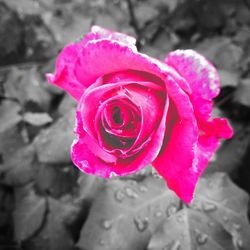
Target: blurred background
point(45, 202)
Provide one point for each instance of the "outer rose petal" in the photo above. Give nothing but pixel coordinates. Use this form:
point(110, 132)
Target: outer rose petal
point(98, 33)
point(175, 162)
point(202, 77)
point(204, 82)
point(64, 76)
point(112, 56)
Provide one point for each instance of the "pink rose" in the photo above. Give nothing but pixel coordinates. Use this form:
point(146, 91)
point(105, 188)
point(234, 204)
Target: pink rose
point(134, 110)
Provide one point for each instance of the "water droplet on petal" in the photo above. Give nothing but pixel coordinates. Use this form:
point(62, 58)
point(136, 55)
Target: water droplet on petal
point(131, 193)
point(201, 238)
point(172, 209)
point(141, 223)
point(106, 224)
point(119, 196)
point(209, 207)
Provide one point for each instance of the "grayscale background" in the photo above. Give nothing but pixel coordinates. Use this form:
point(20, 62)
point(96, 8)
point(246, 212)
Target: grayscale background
point(46, 203)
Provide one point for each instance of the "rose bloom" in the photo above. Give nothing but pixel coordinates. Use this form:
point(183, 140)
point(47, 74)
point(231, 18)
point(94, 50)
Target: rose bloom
point(134, 110)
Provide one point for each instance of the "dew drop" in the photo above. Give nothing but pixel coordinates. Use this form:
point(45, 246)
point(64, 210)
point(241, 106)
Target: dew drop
point(143, 189)
point(239, 243)
point(175, 245)
point(106, 224)
point(155, 174)
point(201, 238)
point(158, 213)
point(141, 224)
point(119, 196)
point(172, 209)
point(101, 242)
point(131, 193)
point(225, 218)
point(209, 207)
point(237, 226)
point(210, 184)
point(180, 218)
point(211, 224)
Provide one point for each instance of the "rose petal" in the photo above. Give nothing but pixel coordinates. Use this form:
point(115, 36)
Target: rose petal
point(64, 76)
point(98, 33)
point(204, 82)
point(151, 104)
point(113, 56)
point(149, 101)
point(209, 141)
point(87, 161)
point(202, 77)
point(175, 162)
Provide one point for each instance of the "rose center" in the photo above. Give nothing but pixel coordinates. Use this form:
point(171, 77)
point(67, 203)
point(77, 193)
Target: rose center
point(117, 116)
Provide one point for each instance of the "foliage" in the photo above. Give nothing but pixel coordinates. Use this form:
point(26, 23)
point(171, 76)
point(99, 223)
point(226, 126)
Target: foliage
point(45, 202)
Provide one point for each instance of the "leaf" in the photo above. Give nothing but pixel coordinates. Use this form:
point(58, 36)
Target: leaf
point(140, 11)
point(226, 203)
point(9, 115)
point(10, 142)
point(25, 6)
point(56, 181)
point(228, 78)
point(29, 213)
point(89, 185)
point(141, 174)
point(125, 213)
point(18, 170)
point(222, 52)
point(25, 85)
point(53, 144)
point(11, 39)
point(190, 230)
point(37, 119)
point(67, 104)
point(229, 156)
point(54, 234)
point(242, 94)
